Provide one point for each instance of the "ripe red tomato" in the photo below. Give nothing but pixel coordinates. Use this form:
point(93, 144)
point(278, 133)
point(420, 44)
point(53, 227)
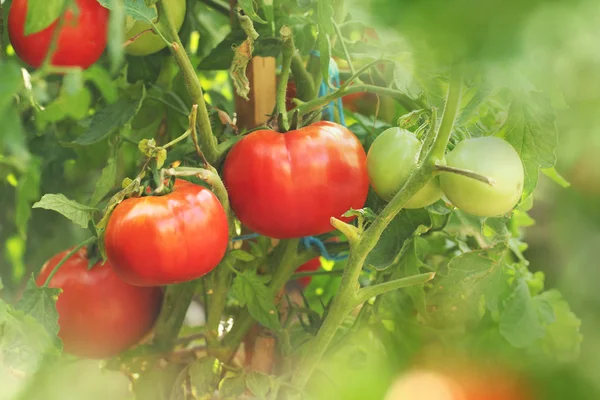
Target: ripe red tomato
point(81, 41)
point(290, 94)
point(290, 185)
point(159, 240)
point(309, 266)
point(100, 315)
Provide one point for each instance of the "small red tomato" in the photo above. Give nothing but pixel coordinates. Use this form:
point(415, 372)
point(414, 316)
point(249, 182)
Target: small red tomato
point(290, 94)
point(81, 40)
point(290, 185)
point(159, 240)
point(309, 266)
point(100, 315)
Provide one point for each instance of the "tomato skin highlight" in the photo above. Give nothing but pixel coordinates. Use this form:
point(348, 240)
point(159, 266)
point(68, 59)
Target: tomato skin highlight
point(390, 161)
point(160, 240)
point(492, 157)
point(290, 185)
point(309, 266)
point(150, 42)
point(100, 315)
point(81, 41)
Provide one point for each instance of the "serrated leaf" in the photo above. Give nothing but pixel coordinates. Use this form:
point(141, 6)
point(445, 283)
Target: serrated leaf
point(40, 303)
point(520, 322)
point(156, 382)
point(28, 190)
point(78, 213)
point(249, 289)
point(161, 157)
point(258, 383)
point(41, 14)
point(248, 7)
point(242, 255)
point(112, 117)
point(103, 82)
point(553, 174)
point(475, 282)
point(136, 9)
point(530, 129)
point(232, 388)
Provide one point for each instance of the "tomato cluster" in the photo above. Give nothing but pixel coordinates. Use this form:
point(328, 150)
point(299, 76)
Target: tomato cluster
point(394, 154)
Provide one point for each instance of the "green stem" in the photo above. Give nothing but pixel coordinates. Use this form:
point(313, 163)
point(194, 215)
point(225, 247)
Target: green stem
point(177, 139)
point(66, 257)
point(346, 53)
point(55, 34)
point(167, 28)
point(299, 275)
point(175, 305)
point(467, 173)
point(218, 5)
point(348, 295)
point(287, 52)
point(401, 97)
point(285, 262)
point(368, 292)
point(305, 86)
point(217, 299)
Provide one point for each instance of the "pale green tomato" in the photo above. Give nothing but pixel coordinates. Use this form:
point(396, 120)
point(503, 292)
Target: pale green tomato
point(390, 161)
point(150, 42)
point(492, 157)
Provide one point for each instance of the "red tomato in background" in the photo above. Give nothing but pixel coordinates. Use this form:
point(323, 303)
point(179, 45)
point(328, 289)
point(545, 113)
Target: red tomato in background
point(290, 94)
point(81, 41)
point(160, 240)
point(290, 185)
point(309, 266)
point(100, 315)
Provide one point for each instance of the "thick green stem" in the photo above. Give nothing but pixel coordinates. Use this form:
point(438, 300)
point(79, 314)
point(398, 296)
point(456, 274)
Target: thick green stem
point(175, 305)
point(401, 97)
point(348, 294)
point(167, 29)
point(217, 299)
point(287, 52)
point(368, 292)
point(66, 258)
point(285, 262)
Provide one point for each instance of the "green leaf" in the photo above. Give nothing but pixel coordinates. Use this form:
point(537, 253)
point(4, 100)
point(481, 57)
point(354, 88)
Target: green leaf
point(40, 303)
point(10, 83)
point(232, 388)
point(41, 14)
point(66, 106)
point(103, 81)
point(221, 57)
point(107, 179)
point(157, 382)
point(258, 383)
point(78, 213)
point(553, 174)
point(112, 117)
point(202, 375)
point(530, 129)
point(248, 7)
point(475, 282)
point(249, 289)
point(242, 255)
point(521, 323)
point(563, 338)
point(402, 227)
point(28, 191)
point(136, 9)
point(73, 81)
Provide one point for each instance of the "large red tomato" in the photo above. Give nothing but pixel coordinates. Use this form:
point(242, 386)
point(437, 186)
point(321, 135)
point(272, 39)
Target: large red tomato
point(81, 41)
point(309, 266)
point(100, 315)
point(159, 240)
point(290, 185)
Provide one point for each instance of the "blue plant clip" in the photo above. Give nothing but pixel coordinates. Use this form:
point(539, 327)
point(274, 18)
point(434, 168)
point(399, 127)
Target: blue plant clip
point(309, 241)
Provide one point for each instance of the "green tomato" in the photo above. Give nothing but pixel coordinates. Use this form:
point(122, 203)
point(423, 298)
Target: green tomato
point(390, 161)
point(150, 42)
point(491, 157)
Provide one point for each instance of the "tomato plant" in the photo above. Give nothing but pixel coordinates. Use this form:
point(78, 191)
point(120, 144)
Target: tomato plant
point(81, 37)
point(390, 161)
point(149, 42)
point(491, 157)
point(290, 185)
point(159, 240)
point(100, 315)
point(201, 194)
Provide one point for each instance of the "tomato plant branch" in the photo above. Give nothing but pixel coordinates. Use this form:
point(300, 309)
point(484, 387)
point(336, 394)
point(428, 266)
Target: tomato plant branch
point(401, 97)
point(55, 34)
point(287, 53)
point(172, 314)
point(165, 25)
point(66, 258)
point(348, 294)
point(305, 85)
point(346, 53)
point(368, 292)
point(220, 282)
point(467, 173)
